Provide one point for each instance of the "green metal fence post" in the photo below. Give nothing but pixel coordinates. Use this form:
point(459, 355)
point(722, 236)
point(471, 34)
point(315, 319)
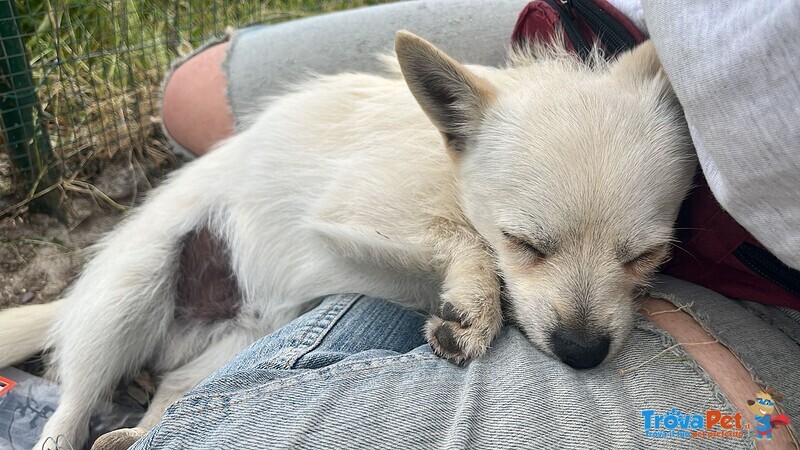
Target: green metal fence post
point(25, 136)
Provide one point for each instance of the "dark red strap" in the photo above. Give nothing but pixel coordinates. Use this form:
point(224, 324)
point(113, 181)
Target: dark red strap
point(582, 22)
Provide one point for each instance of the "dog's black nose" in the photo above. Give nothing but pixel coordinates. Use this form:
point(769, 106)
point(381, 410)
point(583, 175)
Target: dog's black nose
point(578, 349)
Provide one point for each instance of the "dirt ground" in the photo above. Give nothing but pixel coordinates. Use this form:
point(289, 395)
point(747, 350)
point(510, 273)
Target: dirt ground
point(40, 256)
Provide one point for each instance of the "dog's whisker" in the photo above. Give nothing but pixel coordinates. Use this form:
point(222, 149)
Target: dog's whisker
point(679, 247)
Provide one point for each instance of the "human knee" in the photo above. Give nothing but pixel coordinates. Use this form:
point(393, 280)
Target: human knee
point(195, 109)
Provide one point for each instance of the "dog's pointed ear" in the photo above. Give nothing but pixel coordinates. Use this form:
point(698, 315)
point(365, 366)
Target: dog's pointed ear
point(640, 65)
point(453, 97)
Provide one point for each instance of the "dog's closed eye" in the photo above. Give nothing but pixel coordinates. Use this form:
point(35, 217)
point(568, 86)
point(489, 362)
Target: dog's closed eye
point(533, 250)
point(647, 260)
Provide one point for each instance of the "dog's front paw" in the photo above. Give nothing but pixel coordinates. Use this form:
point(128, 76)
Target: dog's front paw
point(460, 334)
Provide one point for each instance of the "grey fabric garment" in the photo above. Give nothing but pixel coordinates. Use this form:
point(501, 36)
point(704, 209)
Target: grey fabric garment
point(735, 67)
point(264, 61)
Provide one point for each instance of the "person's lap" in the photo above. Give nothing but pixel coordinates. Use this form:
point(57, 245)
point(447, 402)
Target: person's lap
point(356, 372)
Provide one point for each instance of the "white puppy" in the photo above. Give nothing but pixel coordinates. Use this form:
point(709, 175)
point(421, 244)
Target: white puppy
point(558, 179)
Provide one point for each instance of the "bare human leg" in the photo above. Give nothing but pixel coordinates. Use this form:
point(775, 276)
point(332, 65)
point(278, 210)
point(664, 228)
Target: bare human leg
point(195, 107)
point(720, 364)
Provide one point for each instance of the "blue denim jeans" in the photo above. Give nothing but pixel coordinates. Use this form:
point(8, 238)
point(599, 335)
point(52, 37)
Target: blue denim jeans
point(356, 373)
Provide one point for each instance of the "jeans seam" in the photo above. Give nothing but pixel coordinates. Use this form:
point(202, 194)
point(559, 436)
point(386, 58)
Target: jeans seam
point(342, 368)
point(312, 332)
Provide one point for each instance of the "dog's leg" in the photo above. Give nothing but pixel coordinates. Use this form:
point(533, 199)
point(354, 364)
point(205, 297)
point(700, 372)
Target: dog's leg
point(118, 339)
point(120, 309)
point(471, 313)
point(177, 382)
point(108, 330)
point(172, 387)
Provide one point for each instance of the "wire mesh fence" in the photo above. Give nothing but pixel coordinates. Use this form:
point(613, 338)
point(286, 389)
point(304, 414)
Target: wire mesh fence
point(79, 82)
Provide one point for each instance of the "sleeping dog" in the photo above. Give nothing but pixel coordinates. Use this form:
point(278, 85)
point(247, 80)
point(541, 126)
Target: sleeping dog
point(435, 185)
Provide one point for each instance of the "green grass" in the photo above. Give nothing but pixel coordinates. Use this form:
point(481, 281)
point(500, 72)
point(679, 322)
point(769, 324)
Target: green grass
point(98, 66)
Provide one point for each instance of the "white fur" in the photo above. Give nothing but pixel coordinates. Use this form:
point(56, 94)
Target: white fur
point(344, 186)
point(24, 330)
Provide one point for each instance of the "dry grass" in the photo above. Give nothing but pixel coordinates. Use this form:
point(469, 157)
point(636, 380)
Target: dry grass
point(98, 65)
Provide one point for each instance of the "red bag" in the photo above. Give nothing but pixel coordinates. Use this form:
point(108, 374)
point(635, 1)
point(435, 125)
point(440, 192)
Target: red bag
point(581, 21)
point(713, 250)
point(716, 252)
